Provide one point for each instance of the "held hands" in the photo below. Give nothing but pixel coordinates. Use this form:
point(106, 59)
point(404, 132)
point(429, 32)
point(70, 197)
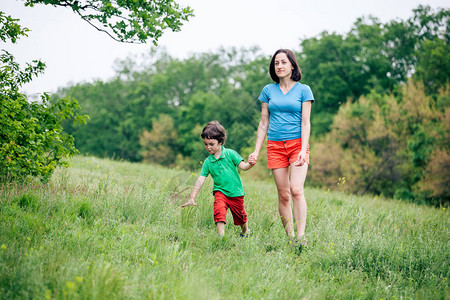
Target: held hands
point(190, 202)
point(252, 158)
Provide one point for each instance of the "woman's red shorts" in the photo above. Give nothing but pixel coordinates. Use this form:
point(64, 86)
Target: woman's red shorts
point(280, 154)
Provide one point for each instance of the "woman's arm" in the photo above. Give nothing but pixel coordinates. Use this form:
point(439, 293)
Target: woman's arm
point(263, 127)
point(306, 123)
point(306, 130)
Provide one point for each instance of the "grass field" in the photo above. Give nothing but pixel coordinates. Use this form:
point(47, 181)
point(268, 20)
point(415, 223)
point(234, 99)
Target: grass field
point(104, 229)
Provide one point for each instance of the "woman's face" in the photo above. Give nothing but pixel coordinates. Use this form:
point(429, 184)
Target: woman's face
point(283, 67)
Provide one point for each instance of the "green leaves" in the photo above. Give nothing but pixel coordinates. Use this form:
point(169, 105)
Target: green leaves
point(32, 141)
point(10, 29)
point(389, 146)
point(376, 56)
point(433, 65)
point(161, 91)
point(128, 21)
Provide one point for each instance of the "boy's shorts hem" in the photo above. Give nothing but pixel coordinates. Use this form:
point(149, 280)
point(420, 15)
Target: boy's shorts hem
point(236, 205)
point(280, 154)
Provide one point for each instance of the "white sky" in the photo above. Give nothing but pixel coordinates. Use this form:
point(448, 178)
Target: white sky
point(76, 52)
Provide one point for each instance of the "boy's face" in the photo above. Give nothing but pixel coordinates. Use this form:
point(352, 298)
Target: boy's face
point(212, 146)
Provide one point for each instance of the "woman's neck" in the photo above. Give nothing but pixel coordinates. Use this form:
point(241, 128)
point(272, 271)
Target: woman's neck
point(286, 83)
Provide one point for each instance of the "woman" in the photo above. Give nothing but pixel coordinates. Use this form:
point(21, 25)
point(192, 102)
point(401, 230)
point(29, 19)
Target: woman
point(285, 119)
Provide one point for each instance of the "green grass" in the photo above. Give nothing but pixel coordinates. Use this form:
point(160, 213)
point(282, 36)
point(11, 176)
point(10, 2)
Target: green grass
point(115, 230)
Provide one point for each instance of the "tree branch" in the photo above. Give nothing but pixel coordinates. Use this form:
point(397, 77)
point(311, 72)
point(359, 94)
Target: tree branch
point(102, 30)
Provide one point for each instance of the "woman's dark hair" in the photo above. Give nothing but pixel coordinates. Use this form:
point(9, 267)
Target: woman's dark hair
point(296, 72)
point(214, 131)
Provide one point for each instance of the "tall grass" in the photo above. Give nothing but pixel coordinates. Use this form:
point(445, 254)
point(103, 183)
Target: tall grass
point(115, 230)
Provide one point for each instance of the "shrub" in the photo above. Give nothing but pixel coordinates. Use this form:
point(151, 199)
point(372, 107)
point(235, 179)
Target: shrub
point(32, 141)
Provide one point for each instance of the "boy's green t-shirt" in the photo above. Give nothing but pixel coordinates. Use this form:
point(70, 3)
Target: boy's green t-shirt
point(224, 172)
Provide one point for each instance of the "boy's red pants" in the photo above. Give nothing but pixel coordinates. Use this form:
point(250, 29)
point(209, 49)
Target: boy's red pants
point(236, 205)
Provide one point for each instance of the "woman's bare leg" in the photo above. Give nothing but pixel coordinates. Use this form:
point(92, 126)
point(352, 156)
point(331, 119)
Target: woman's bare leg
point(281, 177)
point(297, 182)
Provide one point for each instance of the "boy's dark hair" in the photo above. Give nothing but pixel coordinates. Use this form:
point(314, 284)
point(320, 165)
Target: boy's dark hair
point(214, 131)
point(296, 73)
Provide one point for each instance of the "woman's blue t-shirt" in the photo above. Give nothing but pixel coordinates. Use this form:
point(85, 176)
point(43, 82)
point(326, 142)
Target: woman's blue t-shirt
point(285, 110)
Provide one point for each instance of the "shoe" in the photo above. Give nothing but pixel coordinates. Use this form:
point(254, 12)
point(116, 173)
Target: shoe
point(245, 235)
point(299, 244)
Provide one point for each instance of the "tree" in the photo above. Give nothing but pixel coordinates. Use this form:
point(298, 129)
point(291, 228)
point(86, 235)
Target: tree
point(330, 66)
point(192, 92)
point(127, 21)
point(160, 144)
point(32, 141)
point(386, 145)
point(375, 56)
point(433, 66)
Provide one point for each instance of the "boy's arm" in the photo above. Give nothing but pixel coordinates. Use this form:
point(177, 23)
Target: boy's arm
point(197, 186)
point(245, 165)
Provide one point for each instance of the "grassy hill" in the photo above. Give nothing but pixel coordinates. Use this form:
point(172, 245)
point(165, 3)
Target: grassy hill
point(115, 230)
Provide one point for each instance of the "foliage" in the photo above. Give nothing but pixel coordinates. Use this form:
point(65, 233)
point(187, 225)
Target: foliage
point(433, 67)
point(389, 146)
point(32, 141)
point(111, 131)
point(102, 228)
point(127, 21)
point(190, 92)
point(31, 136)
point(10, 29)
point(161, 143)
point(375, 56)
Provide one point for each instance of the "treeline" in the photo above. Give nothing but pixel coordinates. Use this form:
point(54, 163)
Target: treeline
point(155, 109)
point(380, 119)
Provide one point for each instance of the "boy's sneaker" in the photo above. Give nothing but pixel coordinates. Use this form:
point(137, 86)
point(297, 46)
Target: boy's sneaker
point(245, 235)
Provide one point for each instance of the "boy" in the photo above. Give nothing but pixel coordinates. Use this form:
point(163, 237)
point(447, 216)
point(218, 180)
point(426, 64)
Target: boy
point(228, 190)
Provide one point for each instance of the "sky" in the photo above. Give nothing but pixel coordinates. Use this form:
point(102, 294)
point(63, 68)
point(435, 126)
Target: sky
point(76, 52)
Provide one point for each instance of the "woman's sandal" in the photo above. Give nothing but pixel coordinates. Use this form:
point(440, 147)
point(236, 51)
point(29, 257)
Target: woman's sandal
point(300, 244)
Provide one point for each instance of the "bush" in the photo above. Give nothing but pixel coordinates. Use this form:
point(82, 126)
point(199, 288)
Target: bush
point(391, 146)
point(32, 141)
